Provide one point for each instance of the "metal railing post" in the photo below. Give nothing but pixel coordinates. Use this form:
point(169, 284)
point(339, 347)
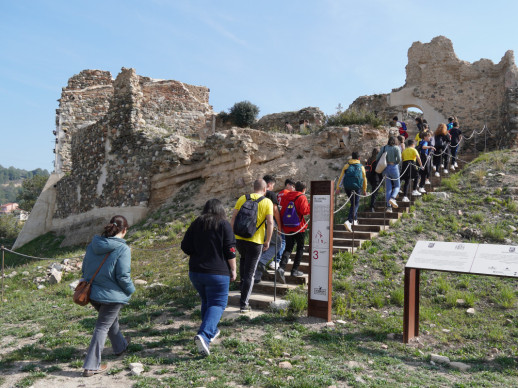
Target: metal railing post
point(3, 272)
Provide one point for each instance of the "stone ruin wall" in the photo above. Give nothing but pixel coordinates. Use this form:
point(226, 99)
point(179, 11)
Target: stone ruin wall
point(441, 84)
point(277, 121)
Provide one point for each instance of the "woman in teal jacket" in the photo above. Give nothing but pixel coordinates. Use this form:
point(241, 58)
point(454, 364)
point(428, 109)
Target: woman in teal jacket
point(111, 290)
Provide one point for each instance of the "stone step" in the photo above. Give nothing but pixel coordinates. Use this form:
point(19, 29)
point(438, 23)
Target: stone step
point(359, 228)
point(394, 215)
point(376, 221)
point(267, 287)
point(256, 301)
point(357, 234)
point(269, 276)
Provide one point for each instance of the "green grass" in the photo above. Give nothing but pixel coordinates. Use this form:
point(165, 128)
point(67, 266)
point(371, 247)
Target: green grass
point(367, 295)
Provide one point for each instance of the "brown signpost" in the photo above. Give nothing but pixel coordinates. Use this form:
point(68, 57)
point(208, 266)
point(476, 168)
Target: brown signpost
point(321, 250)
point(474, 259)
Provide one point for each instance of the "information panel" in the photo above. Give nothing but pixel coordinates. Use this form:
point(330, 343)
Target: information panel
point(483, 259)
point(320, 234)
point(499, 260)
point(443, 256)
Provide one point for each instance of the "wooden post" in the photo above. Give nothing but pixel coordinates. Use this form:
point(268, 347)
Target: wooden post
point(321, 250)
point(411, 307)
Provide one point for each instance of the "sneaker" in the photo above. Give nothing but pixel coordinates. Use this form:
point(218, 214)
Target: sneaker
point(452, 168)
point(427, 182)
point(347, 225)
point(245, 309)
point(273, 265)
point(405, 199)
point(373, 210)
point(257, 281)
point(434, 168)
point(455, 164)
point(442, 165)
point(296, 273)
point(215, 335)
point(437, 174)
point(393, 202)
point(355, 222)
point(89, 373)
point(279, 274)
point(422, 190)
point(445, 171)
point(416, 193)
point(202, 346)
point(389, 210)
point(128, 341)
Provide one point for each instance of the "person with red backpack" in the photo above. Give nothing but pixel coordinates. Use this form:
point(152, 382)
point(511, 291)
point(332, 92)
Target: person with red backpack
point(401, 126)
point(353, 179)
point(294, 206)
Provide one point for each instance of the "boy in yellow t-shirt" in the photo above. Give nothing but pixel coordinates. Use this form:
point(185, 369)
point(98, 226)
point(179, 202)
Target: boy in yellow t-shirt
point(250, 248)
point(410, 172)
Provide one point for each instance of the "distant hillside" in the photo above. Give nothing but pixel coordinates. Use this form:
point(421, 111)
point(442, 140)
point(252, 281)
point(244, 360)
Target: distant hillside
point(11, 181)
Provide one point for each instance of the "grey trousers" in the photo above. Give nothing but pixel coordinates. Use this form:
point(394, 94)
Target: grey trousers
point(107, 325)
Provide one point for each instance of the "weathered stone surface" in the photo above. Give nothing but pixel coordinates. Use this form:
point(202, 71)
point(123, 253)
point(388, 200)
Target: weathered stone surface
point(285, 365)
point(277, 121)
point(460, 366)
point(55, 276)
point(439, 359)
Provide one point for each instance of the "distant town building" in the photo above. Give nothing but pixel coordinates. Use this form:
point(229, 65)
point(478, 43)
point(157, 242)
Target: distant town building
point(8, 208)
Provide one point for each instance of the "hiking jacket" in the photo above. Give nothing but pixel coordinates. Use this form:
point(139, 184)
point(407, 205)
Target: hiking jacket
point(353, 161)
point(302, 207)
point(113, 283)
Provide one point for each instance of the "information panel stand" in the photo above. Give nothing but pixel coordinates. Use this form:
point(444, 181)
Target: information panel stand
point(321, 250)
point(474, 259)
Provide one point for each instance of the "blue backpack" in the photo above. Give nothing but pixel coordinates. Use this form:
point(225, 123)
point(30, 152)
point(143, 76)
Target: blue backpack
point(290, 218)
point(353, 177)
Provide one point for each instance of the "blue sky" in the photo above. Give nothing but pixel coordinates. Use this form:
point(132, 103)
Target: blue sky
point(281, 55)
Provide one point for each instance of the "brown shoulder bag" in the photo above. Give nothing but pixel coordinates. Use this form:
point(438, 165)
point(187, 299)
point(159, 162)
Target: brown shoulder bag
point(83, 289)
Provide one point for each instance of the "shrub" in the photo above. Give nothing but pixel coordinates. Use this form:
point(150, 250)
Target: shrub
point(298, 299)
point(505, 297)
point(352, 116)
point(9, 226)
point(243, 114)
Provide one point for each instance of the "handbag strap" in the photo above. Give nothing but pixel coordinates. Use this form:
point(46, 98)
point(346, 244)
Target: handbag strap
point(95, 274)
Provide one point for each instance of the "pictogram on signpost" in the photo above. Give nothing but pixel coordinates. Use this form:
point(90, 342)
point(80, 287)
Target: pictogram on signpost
point(321, 250)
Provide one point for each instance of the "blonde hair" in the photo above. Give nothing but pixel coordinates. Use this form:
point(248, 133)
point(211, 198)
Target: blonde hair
point(441, 129)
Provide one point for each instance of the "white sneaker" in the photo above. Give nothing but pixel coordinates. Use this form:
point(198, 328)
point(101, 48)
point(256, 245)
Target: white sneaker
point(422, 190)
point(442, 165)
point(455, 164)
point(389, 210)
point(434, 168)
point(393, 202)
point(272, 265)
point(445, 171)
point(355, 222)
point(437, 174)
point(405, 199)
point(427, 182)
point(415, 192)
point(347, 225)
point(452, 168)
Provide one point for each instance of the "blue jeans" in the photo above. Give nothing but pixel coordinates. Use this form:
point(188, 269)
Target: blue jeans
point(453, 151)
point(213, 291)
point(355, 204)
point(391, 185)
point(107, 325)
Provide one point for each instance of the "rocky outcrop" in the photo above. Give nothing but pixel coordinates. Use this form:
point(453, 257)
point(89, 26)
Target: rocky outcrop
point(277, 121)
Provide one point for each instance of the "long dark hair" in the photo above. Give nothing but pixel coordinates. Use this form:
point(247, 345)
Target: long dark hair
point(213, 212)
point(117, 224)
point(392, 141)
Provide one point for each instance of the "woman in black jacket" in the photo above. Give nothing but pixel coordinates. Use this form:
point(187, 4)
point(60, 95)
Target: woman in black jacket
point(211, 245)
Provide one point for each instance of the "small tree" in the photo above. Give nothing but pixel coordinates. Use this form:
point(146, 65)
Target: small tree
point(31, 189)
point(244, 113)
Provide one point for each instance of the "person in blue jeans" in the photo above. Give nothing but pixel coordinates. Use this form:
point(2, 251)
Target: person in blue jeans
point(391, 172)
point(211, 245)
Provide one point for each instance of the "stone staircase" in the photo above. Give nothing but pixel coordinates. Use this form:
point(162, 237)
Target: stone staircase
point(370, 224)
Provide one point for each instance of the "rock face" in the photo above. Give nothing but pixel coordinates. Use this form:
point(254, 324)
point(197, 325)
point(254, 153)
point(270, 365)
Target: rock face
point(130, 145)
point(440, 84)
point(276, 121)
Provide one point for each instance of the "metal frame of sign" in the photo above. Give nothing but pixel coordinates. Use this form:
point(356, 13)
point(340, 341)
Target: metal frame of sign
point(321, 250)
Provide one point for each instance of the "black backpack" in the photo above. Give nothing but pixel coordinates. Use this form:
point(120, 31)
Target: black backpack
point(246, 218)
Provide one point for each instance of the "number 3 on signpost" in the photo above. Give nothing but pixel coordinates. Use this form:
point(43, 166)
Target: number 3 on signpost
point(315, 255)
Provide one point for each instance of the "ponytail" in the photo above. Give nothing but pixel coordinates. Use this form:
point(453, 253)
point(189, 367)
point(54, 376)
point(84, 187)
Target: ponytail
point(117, 224)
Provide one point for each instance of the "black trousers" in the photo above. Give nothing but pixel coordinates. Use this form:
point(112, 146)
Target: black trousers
point(249, 253)
point(411, 174)
point(298, 239)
